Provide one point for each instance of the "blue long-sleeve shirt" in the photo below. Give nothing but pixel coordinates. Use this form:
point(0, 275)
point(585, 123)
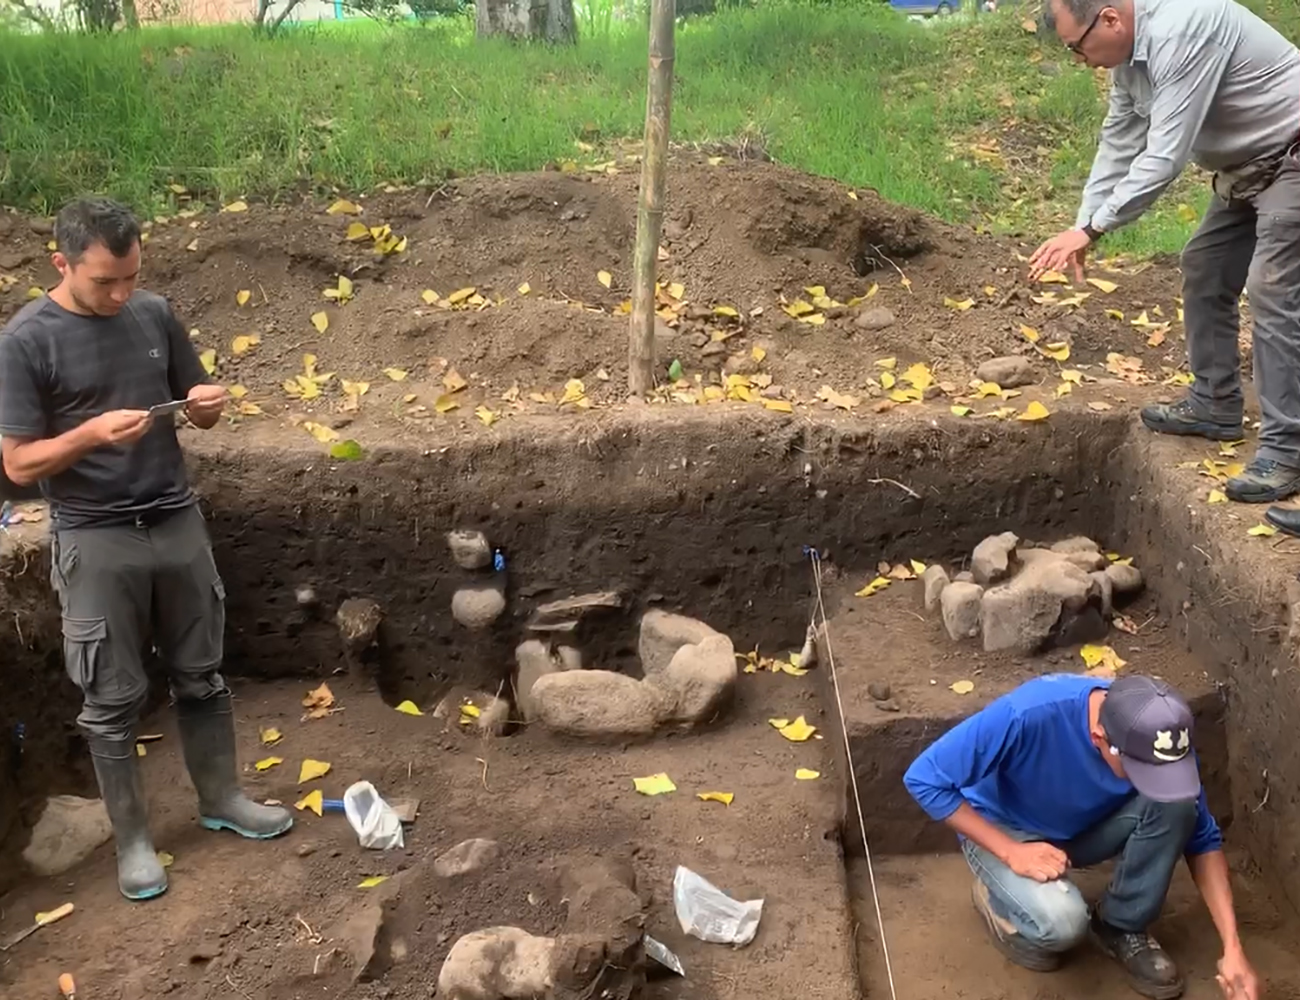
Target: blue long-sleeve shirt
point(1026, 762)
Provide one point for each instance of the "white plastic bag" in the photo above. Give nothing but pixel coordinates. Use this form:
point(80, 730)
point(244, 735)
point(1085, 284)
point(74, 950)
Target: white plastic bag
point(708, 913)
point(373, 819)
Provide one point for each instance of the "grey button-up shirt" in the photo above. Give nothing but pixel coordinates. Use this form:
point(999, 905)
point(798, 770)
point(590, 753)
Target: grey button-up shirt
point(1208, 82)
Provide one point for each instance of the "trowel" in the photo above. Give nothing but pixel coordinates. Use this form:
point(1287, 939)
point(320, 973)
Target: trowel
point(42, 920)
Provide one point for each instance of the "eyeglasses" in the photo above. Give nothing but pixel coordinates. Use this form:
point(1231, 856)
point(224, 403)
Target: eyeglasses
point(1077, 45)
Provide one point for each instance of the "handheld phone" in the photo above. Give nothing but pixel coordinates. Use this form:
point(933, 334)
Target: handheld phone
point(162, 409)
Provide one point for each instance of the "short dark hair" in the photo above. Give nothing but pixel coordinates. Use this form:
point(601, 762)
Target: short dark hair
point(87, 221)
point(1081, 10)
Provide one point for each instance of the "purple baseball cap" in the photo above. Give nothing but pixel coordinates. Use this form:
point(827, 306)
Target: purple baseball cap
point(1150, 725)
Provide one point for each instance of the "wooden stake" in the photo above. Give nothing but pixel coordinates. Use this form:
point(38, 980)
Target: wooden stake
point(650, 209)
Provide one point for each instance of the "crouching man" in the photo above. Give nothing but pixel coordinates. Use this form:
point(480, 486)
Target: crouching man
point(1066, 772)
point(131, 559)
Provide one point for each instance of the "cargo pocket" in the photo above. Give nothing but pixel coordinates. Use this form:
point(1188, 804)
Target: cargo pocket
point(217, 621)
point(85, 644)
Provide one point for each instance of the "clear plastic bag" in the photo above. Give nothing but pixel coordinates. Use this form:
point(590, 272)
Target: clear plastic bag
point(373, 819)
point(708, 913)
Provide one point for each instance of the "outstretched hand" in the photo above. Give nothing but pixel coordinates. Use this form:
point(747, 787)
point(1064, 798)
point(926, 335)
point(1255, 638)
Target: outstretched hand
point(1067, 249)
point(1236, 977)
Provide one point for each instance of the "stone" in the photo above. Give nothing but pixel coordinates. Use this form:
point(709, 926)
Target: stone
point(596, 703)
point(570, 657)
point(879, 690)
point(662, 634)
point(1087, 561)
point(477, 607)
point(306, 850)
point(699, 680)
point(358, 619)
point(1077, 543)
point(467, 856)
point(1010, 372)
point(1124, 579)
point(1033, 555)
point(69, 829)
point(965, 576)
point(874, 318)
point(740, 364)
point(1075, 628)
point(305, 595)
point(1021, 614)
point(497, 963)
point(533, 660)
point(933, 580)
point(363, 937)
point(469, 549)
point(1106, 591)
point(563, 615)
point(961, 609)
point(889, 705)
point(992, 559)
point(713, 349)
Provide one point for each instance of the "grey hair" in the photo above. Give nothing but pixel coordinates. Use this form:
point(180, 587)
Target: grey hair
point(87, 221)
point(1082, 11)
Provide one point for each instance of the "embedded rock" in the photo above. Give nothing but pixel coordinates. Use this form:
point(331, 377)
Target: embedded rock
point(70, 828)
point(1010, 372)
point(1021, 614)
point(961, 609)
point(663, 634)
point(534, 661)
point(699, 680)
point(498, 963)
point(933, 581)
point(991, 561)
point(477, 607)
point(358, 619)
point(1124, 579)
point(596, 703)
point(467, 856)
point(469, 549)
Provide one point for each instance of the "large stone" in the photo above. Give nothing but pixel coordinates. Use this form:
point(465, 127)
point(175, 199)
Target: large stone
point(534, 661)
point(1089, 562)
point(358, 619)
point(663, 634)
point(1105, 589)
point(498, 963)
point(1009, 372)
point(469, 549)
point(467, 856)
point(1076, 543)
point(596, 703)
point(875, 318)
point(477, 607)
point(961, 609)
point(1020, 615)
point(1124, 579)
point(992, 559)
point(933, 581)
point(69, 829)
point(699, 680)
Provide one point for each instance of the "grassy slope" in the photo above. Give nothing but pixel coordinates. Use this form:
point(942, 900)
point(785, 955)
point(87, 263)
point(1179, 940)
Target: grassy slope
point(976, 121)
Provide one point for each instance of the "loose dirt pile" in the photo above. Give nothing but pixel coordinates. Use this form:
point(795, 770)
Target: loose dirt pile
point(499, 290)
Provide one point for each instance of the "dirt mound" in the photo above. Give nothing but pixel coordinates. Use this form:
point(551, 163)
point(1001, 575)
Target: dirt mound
point(757, 262)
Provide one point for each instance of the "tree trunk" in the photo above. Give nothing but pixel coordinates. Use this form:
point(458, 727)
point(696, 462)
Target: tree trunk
point(650, 211)
point(541, 20)
point(129, 15)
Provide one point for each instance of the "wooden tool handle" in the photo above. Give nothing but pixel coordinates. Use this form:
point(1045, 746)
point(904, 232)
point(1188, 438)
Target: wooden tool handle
point(54, 915)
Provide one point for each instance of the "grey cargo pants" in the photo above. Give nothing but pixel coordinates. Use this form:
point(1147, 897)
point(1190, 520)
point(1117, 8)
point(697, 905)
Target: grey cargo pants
point(124, 587)
point(1254, 245)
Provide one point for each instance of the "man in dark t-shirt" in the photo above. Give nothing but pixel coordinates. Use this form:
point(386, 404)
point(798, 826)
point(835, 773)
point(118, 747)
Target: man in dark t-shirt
point(130, 556)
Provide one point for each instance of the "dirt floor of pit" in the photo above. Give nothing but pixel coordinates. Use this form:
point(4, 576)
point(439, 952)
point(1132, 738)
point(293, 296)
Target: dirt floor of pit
point(229, 924)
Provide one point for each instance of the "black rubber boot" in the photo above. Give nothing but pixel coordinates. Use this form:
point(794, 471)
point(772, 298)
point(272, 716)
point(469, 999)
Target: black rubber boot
point(1005, 939)
point(139, 873)
point(208, 737)
point(1150, 971)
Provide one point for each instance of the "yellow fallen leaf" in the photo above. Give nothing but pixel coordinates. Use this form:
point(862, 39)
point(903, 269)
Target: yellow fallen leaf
point(315, 801)
point(962, 687)
point(985, 389)
point(35, 292)
point(266, 763)
point(1101, 658)
point(798, 308)
point(725, 798)
point(961, 306)
point(319, 698)
point(445, 403)
point(236, 206)
point(815, 319)
point(242, 296)
point(409, 708)
point(343, 207)
point(396, 374)
point(1035, 411)
point(1053, 278)
point(244, 343)
point(140, 750)
point(460, 295)
point(806, 774)
point(1262, 530)
point(489, 417)
point(312, 769)
point(798, 731)
point(655, 784)
point(676, 290)
point(605, 278)
point(919, 375)
point(524, 288)
point(1029, 333)
point(918, 567)
point(888, 380)
point(574, 392)
point(1103, 285)
point(1057, 352)
point(370, 881)
point(320, 321)
point(959, 411)
point(208, 359)
point(1217, 496)
point(875, 586)
point(727, 311)
point(1072, 376)
point(758, 354)
point(453, 381)
point(358, 231)
point(320, 432)
point(470, 711)
point(166, 859)
point(888, 364)
point(271, 736)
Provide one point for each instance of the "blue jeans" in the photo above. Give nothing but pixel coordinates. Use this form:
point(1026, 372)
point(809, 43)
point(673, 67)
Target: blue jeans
point(1147, 837)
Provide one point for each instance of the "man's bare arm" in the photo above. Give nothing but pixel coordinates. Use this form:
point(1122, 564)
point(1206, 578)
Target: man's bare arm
point(1210, 873)
point(29, 460)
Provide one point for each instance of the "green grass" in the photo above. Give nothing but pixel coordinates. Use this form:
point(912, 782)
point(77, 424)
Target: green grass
point(856, 94)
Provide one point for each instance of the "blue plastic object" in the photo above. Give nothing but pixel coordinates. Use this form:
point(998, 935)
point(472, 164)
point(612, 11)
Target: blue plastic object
point(498, 560)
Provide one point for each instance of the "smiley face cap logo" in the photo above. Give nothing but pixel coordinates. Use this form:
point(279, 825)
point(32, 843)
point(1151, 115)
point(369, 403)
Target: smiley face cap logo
point(1165, 749)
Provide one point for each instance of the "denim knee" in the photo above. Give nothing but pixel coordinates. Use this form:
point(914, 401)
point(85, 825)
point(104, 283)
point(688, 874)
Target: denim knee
point(1178, 817)
point(1057, 921)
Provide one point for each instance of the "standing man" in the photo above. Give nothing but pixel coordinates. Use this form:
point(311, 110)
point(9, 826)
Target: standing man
point(1066, 772)
point(1207, 81)
point(131, 559)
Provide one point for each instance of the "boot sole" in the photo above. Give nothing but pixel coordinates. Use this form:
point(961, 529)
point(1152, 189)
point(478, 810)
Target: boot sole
point(212, 823)
point(1156, 991)
point(1203, 429)
point(1285, 527)
point(140, 897)
point(1044, 961)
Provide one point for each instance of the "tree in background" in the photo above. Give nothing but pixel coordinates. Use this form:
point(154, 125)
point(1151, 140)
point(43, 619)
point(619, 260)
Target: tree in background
point(540, 20)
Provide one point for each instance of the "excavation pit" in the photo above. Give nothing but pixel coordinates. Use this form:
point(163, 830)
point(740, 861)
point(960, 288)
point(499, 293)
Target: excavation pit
point(710, 515)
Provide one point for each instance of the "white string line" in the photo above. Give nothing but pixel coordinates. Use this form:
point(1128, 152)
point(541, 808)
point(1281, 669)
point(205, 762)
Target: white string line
point(848, 754)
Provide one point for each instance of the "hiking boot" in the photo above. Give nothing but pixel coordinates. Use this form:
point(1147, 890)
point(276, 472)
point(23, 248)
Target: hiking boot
point(139, 873)
point(208, 739)
point(1006, 939)
point(1284, 519)
point(1150, 971)
point(1180, 418)
point(1264, 481)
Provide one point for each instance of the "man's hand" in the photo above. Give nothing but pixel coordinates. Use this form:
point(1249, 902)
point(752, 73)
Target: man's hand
point(1037, 860)
point(1236, 977)
point(1069, 248)
point(205, 404)
point(117, 427)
